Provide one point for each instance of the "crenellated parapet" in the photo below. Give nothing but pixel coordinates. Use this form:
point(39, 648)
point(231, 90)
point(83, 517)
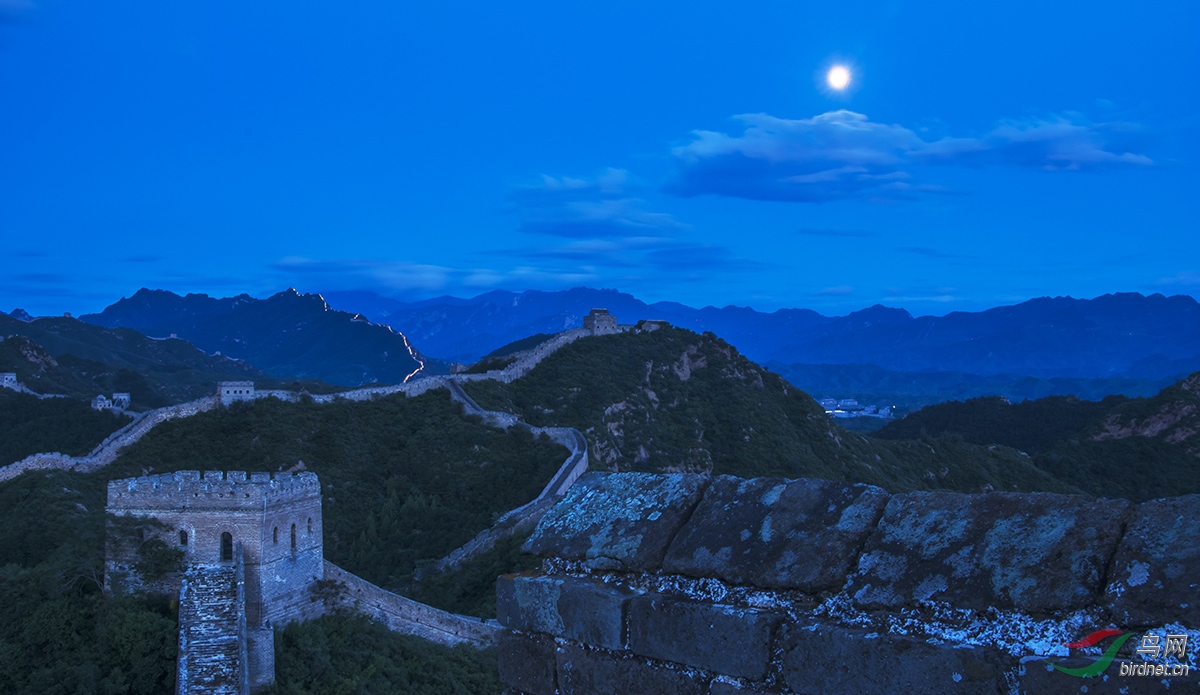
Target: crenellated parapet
point(211, 490)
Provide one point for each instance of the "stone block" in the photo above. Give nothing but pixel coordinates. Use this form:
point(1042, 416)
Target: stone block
point(600, 672)
point(1034, 552)
point(726, 639)
point(1037, 676)
point(583, 610)
point(777, 533)
point(1155, 577)
point(840, 661)
point(526, 663)
point(618, 521)
point(725, 688)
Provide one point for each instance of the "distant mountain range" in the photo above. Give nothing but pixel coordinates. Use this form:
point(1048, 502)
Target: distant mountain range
point(287, 335)
point(1118, 343)
point(1130, 342)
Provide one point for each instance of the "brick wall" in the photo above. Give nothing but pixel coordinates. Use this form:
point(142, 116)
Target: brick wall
point(681, 584)
point(404, 615)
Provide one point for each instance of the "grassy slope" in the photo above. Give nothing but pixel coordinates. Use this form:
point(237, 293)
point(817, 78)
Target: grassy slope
point(674, 400)
point(29, 426)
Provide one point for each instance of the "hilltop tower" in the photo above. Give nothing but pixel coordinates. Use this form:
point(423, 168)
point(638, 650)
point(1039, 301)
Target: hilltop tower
point(231, 391)
point(600, 322)
point(251, 554)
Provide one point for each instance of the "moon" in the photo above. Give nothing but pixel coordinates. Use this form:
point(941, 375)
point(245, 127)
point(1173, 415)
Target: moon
point(838, 77)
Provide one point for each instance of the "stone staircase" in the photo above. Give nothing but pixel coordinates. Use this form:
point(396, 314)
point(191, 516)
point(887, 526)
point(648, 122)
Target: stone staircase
point(212, 629)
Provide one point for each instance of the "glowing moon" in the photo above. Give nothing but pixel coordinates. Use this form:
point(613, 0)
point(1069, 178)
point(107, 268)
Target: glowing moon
point(838, 77)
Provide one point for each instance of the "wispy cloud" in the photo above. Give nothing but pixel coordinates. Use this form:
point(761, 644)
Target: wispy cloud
point(580, 208)
point(843, 154)
point(933, 253)
point(364, 273)
point(839, 233)
point(839, 291)
point(1189, 279)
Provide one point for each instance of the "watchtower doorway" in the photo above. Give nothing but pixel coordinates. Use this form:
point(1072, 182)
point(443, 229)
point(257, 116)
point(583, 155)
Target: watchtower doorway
point(226, 547)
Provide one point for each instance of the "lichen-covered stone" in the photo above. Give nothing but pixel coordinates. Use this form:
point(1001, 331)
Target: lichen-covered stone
point(587, 611)
point(776, 533)
point(618, 521)
point(600, 672)
point(726, 639)
point(1036, 552)
point(1155, 577)
point(840, 661)
point(527, 663)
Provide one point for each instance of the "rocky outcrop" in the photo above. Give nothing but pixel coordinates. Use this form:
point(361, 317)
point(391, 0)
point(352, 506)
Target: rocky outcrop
point(678, 584)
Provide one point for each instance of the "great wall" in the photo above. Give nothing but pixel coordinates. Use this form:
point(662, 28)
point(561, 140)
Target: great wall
point(225, 617)
point(681, 583)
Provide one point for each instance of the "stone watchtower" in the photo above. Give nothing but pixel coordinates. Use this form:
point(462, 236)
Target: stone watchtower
point(600, 322)
point(232, 391)
point(251, 555)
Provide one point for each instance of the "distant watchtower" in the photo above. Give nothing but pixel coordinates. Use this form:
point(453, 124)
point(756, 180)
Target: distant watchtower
point(8, 380)
point(232, 391)
point(600, 322)
point(251, 548)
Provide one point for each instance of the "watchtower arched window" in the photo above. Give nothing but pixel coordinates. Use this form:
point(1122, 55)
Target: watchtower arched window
point(310, 527)
point(275, 534)
point(293, 536)
point(183, 538)
point(226, 546)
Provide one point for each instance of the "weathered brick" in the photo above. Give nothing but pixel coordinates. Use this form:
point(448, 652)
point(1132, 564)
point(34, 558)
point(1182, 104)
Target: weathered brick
point(1155, 578)
point(1038, 677)
point(588, 611)
point(777, 533)
point(526, 662)
point(618, 521)
point(724, 688)
point(838, 661)
point(601, 672)
point(729, 640)
point(1035, 552)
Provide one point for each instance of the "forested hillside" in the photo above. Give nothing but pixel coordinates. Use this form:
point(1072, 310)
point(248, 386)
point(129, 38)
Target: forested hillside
point(403, 480)
point(670, 399)
point(29, 425)
point(1136, 448)
point(65, 356)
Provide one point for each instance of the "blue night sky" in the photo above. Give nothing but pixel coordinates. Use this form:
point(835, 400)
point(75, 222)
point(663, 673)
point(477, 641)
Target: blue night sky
point(982, 154)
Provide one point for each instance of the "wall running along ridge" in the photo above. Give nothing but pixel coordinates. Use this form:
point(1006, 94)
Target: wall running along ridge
point(683, 584)
point(108, 451)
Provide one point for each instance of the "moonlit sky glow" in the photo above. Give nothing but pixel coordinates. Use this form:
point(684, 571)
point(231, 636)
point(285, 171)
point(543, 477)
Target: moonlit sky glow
point(838, 77)
point(675, 151)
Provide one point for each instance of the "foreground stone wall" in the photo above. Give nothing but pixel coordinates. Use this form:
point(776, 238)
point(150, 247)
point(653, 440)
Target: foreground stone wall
point(682, 584)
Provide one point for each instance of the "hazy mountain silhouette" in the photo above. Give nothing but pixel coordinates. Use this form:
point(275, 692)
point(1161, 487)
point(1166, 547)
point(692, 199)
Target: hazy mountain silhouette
point(286, 335)
point(1125, 335)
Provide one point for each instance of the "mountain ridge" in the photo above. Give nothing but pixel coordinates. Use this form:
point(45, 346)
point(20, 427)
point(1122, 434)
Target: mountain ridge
point(288, 334)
